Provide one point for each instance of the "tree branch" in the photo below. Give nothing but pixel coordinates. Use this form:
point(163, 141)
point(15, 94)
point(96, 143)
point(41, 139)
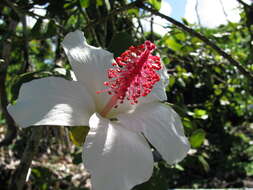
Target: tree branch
point(92, 30)
point(18, 180)
point(197, 12)
point(192, 32)
point(11, 127)
point(22, 18)
point(243, 3)
point(26, 44)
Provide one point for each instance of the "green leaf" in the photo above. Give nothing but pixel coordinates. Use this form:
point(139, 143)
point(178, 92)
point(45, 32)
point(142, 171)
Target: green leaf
point(187, 123)
point(197, 138)
point(249, 169)
point(217, 91)
point(36, 30)
point(172, 81)
point(85, 3)
point(171, 43)
point(78, 134)
point(156, 4)
point(133, 11)
point(180, 36)
point(179, 167)
point(51, 29)
point(201, 114)
point(99, 2)
point(185, 21)
point(204, 163)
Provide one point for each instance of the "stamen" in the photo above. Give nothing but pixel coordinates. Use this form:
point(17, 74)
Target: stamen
point(133, 75)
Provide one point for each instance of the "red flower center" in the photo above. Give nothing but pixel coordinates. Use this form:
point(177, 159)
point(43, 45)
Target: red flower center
point(133, 74)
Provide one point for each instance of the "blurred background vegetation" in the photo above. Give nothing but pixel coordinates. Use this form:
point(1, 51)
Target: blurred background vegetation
point(212, 94)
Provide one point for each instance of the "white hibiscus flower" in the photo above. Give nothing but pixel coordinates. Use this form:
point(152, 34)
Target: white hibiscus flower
point(116, 151)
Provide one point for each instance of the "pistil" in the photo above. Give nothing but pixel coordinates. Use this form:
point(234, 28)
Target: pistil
point(133, 76)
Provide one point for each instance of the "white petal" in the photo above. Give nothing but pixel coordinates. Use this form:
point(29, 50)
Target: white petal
point(90, 65)
point(162, 127)
point(117, 158)
point(52, 101)
point(164, 76)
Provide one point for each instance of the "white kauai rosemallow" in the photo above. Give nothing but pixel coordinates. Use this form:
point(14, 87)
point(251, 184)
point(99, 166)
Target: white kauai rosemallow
point(120, 101)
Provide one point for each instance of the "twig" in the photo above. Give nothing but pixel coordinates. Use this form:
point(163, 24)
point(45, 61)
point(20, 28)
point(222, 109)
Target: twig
point(22, 18)
point(224, 11)
point(152, 29)
point(26, 44)
point(243, 3)
point(192, 32)
point(11, 127)
point(92, 30)
point(197, 12)
point(19, 178)
point(140, 25)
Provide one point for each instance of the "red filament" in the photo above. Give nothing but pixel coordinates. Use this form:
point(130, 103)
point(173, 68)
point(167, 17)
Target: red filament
point(133, 74)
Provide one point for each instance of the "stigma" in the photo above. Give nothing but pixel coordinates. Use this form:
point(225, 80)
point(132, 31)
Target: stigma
point(132, 76)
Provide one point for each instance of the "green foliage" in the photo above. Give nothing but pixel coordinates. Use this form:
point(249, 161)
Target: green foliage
point(197, 138)
point(78, 134)
point(120, 42)
point(155, 3)
point(85, 3)
point(99, 2)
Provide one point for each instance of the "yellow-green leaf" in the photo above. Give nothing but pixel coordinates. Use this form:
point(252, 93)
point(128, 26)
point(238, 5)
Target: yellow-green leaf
point(85, 3)
point(99, 2)
point(78, 134)
point(197, 138)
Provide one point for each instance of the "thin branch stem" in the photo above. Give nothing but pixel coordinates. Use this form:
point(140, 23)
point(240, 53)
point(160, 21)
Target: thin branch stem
point(11, 127)
point(223, 9)
point(22, 18)
point(243, 3)
point(18, 180)
point(152, 28)
point(92, 30)
point(140, 25)
point(26, 44)
point(197, 12)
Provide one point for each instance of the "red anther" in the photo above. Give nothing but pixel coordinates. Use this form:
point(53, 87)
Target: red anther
point(134, 73)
